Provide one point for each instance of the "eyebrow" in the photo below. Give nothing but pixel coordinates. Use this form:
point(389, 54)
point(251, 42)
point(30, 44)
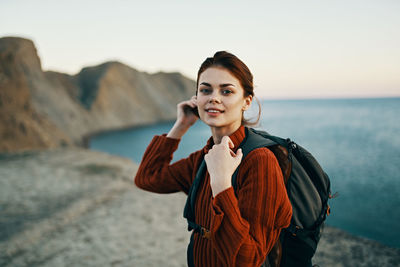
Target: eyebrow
point(221, 85)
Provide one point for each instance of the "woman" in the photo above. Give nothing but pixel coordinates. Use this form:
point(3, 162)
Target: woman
point(242, 225)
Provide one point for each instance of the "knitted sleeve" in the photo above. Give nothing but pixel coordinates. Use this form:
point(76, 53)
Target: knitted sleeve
point(155, 173)
point(244, 228)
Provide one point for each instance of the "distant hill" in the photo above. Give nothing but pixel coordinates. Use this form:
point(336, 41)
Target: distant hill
point(49, 109)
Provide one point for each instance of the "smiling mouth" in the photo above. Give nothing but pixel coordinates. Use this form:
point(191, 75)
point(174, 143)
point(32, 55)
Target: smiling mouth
point(211, 110)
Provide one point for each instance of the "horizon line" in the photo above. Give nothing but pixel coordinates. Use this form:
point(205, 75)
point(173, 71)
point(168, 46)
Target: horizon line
point(264, 98)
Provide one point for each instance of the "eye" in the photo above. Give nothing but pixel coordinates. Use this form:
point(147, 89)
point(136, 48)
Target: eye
point(205, 90)
point(226, 91)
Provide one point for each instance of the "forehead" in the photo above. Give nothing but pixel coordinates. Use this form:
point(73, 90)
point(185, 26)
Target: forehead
point(218, 75)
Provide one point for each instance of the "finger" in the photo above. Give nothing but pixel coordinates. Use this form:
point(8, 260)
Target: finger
point(194, 103)
point(239, 152)
point(188, 103)
point(239, 155)
point(227, 141)
point(231, 144)
point(183, 103)
point(191, 102)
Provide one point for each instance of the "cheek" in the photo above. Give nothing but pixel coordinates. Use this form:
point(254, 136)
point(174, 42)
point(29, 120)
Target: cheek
point(236, 106)
point(201, 101)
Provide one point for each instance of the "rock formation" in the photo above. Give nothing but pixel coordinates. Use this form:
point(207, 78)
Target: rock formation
point(21, 125)
point(42, 109)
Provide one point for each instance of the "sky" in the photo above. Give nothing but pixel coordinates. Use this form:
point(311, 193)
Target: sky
point(295, 49)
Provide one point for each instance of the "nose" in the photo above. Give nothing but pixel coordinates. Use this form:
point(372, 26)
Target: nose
point(214, 98)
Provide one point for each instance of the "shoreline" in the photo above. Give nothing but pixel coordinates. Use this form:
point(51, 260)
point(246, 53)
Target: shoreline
point(345, 232)
point(86, 137)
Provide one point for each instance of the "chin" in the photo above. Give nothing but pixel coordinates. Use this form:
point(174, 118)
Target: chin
point(212, 124)
point(216, 124)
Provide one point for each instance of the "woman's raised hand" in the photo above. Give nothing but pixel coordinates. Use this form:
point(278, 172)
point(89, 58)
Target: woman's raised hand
point(221, 164)
point(186, 116)
point(187, 112)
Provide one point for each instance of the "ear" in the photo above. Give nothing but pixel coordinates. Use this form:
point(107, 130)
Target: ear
point(247, 102)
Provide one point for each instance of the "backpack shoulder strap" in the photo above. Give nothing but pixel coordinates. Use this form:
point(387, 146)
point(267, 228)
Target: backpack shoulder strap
point(188, 211)
point(254, 139)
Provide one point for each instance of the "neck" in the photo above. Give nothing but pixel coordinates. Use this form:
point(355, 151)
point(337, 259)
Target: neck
point(219, 132)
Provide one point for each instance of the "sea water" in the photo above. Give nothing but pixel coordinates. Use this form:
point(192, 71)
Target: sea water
point(356, 141)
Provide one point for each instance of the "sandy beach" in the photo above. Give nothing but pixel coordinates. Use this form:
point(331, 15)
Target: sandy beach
point(76, 207)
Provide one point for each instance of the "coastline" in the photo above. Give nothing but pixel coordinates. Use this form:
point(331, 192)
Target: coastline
point(86, 137)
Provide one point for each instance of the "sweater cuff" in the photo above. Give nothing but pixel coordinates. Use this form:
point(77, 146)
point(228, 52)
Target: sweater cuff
point(169, 140)
point(225, 206)
point(161, 147)
point(223, 196)
point(171, 143)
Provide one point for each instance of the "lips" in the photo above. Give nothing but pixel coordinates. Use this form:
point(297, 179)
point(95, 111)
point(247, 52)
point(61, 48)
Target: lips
point(214, 110)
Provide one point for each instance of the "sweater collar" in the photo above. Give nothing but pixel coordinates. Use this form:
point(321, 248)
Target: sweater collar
point(236, 137)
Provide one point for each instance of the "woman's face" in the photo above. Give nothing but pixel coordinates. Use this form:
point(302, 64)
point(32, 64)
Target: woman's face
point(220, 99)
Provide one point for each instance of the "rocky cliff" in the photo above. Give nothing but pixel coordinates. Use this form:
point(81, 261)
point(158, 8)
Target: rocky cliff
point(42, 109)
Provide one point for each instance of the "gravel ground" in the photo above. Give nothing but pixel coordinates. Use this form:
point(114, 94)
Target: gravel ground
point(76, 207)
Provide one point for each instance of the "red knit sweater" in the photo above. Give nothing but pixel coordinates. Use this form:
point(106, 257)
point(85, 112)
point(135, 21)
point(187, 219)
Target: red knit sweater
point(243, 228)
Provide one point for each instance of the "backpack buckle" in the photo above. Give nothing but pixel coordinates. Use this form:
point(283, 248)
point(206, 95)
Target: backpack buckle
point(205, 233)
point(295, 230)
point(291, 144)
